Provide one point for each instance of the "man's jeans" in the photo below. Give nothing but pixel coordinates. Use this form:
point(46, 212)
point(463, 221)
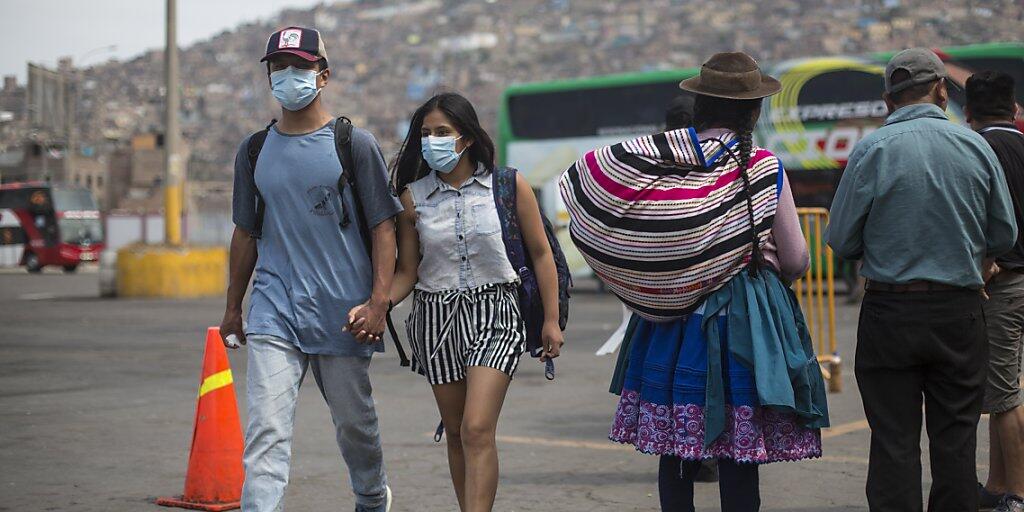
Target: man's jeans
point(275, 371)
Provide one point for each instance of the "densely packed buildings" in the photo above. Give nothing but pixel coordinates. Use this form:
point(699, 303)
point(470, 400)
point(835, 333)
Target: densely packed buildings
point(387, 57)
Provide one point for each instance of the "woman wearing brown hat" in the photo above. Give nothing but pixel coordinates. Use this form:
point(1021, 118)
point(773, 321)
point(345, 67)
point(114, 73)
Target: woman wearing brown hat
point(697, 232)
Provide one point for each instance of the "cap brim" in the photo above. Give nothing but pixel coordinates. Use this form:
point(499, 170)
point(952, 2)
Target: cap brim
point(769, 86)
point(305, 55)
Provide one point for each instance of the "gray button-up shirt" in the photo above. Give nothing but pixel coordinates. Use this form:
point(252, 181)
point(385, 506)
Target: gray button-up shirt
point(922, 199)
point(460, 234)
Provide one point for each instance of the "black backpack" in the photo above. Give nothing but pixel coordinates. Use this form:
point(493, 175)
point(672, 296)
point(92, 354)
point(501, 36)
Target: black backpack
point(343, 145)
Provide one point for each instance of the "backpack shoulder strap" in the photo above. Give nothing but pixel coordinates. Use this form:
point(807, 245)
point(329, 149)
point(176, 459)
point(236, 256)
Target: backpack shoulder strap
point(506, 200)
point(343, 146)
point(343, 143)
point(253, 149)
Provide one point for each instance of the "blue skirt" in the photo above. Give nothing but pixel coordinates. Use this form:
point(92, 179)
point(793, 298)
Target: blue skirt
point(661, 408)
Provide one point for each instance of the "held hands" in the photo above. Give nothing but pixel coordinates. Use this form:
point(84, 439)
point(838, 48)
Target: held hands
point(232, 325)
point(366, 321)
point(553, 340)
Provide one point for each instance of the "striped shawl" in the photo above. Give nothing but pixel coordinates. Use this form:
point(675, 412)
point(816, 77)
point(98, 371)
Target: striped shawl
point(663, 219)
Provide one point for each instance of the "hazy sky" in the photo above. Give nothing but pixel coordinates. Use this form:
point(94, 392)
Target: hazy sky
point(44, 30)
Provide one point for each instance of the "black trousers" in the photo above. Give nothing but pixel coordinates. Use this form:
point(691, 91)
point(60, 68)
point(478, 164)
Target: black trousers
point(928, 347)
point(737, 485)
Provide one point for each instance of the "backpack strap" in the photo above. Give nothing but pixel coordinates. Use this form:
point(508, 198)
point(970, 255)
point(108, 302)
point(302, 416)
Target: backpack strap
point(403, 359)
point(505, 198)
point(253, 148)
point(343, 146)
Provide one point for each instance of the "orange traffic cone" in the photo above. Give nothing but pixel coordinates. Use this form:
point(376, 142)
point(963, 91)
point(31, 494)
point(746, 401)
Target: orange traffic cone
point(214, 478)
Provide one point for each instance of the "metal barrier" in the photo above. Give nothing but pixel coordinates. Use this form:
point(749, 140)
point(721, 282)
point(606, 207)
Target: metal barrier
point(816, 293)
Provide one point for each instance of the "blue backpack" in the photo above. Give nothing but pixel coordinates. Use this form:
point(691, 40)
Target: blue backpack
point(530, 304)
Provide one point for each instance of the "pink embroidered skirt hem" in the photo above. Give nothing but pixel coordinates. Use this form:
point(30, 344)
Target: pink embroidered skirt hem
point(752, 434)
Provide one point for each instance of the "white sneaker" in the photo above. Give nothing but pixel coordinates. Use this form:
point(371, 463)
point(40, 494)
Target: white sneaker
point(387, 504)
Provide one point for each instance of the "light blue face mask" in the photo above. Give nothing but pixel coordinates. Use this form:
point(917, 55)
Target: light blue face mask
point(294, 88)
point(440, 154)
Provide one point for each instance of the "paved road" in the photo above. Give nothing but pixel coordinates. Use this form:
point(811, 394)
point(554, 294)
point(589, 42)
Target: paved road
point(97, 398)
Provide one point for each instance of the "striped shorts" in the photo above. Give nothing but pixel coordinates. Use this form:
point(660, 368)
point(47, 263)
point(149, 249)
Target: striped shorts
point(453, 330)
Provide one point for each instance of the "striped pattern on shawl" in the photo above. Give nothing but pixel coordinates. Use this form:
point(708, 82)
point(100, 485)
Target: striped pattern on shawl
point(663, 219)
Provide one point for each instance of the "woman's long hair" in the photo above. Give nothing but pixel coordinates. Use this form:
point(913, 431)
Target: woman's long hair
point(410, 166)
point(738, 116)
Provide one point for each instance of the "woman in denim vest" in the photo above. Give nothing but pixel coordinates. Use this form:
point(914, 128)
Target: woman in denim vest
point(466, 330)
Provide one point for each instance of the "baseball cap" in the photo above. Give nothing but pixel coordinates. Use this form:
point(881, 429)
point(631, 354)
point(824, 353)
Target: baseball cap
point(922, 65)
point(300, 41)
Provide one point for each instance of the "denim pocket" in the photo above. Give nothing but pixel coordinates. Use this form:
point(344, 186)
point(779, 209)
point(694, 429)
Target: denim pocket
point(486, 218)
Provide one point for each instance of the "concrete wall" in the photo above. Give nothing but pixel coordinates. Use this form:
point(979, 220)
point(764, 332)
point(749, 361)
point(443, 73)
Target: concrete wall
point(202, 228)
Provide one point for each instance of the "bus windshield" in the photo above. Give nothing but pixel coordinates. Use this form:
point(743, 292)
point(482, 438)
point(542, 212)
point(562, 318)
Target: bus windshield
point(80, 231)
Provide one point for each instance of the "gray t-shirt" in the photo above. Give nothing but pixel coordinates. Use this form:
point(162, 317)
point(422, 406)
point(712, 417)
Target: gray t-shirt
point(310, 272)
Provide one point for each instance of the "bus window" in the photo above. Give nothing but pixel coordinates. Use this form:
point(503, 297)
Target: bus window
point(80, 223)
point(1011, 66)
point(72, 199)
point(588, 112)
point(80, 231)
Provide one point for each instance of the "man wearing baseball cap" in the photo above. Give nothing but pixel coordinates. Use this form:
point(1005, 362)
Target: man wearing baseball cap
point(924, 205)
point(320, 293)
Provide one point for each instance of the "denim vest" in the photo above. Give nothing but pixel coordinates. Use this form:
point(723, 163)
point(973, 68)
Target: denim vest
point(460, 235)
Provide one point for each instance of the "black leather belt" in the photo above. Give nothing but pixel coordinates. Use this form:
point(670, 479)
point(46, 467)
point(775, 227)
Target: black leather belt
point(913, 286)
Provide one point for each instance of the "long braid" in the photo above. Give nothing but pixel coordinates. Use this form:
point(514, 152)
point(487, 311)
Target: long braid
point(738, 116)
point(745, 147)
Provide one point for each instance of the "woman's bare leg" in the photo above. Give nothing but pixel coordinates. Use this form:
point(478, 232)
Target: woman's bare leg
point(451, 400)
point(485, 394)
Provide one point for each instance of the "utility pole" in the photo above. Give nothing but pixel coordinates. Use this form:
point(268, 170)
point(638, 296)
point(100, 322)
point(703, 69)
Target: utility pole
point(174, 176)
point(70, 79)
point(156, 271)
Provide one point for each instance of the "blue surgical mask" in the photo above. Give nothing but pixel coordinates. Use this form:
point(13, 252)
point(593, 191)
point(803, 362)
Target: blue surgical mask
point(294, 88)
point(440, 154)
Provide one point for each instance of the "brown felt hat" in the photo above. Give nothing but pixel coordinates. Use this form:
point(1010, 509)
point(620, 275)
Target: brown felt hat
point(732, 75)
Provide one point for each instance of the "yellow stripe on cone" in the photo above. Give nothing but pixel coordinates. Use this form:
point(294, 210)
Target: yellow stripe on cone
point(215, 382)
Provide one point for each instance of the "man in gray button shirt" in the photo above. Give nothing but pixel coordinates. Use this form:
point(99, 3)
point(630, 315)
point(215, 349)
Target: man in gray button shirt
point(314, 278)
point(925, 206)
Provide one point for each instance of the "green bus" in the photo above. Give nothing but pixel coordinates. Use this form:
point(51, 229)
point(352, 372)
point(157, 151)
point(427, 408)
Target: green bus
point(827, 104)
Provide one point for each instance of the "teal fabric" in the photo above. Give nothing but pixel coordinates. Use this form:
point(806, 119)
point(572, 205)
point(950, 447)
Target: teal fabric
point(921, 177)
point(767, 334)
point(619, 375)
